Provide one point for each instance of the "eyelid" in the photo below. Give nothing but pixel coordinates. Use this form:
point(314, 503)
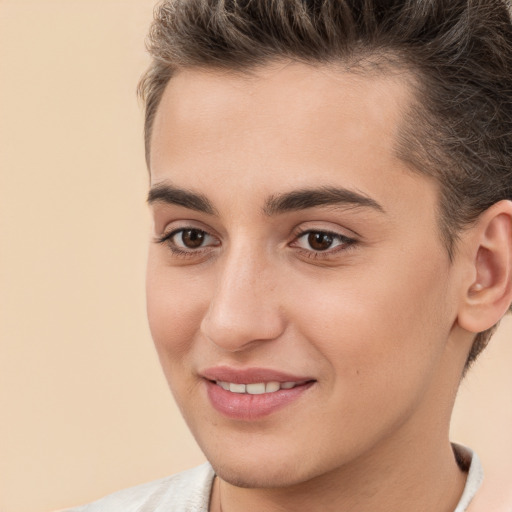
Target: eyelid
point(175, 232)
point(334, 234)
point(329, 228)
point(184, 252)
point(171, 227)
point(346, 242)
point(170, 234)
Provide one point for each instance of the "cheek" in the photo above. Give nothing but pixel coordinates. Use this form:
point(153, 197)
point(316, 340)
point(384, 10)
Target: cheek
point(380, 341)
point(175, 305)
point(389, 323)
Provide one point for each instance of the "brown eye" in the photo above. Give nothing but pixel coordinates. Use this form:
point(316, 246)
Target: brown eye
point(191, 238)
point(188, 241)
point(320, 241)
point(315, 242)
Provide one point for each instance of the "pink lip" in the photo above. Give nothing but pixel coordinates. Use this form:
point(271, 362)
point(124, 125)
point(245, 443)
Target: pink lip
point(247, 407)
point(250, 375)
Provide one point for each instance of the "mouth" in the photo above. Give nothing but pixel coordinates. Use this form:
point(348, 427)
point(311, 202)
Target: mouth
point(254, 393)
point(257, 388)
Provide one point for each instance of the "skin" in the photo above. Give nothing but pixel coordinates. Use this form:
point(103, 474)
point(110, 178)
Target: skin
point(383, 323)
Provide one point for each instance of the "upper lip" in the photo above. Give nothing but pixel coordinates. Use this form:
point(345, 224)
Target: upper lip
point(250, 375)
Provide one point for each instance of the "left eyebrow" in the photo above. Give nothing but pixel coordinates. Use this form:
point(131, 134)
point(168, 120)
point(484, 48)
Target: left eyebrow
point(311, 198)
point(169, 194)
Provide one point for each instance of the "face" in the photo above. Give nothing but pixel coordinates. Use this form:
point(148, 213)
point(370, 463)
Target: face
point(299, 295)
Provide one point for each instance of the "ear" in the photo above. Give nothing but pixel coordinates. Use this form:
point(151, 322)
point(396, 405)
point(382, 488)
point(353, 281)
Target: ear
point(488, 288)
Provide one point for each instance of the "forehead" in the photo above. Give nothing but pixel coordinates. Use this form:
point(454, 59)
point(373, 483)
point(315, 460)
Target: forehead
point(281, 94)
point(281, 126)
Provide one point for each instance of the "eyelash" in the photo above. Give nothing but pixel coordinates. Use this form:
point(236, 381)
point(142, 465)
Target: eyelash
point(345, 244)
point(166, 239)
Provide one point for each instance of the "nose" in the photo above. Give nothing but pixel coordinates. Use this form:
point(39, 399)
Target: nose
point(244, 309)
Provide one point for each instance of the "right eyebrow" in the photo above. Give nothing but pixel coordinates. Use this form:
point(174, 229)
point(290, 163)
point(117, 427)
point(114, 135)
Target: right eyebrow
point(303, 199)
point(168, 194)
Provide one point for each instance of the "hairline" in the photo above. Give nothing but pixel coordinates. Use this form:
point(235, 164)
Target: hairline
point(363, 61)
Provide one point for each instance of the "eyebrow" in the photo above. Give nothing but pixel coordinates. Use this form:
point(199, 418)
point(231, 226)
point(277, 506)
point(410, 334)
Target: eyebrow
point(323, 196)
point(276, 204)
point(169, 194)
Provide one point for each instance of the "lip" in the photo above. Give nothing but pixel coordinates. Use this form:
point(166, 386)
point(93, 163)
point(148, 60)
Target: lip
point(246, 407)
point(251, 375)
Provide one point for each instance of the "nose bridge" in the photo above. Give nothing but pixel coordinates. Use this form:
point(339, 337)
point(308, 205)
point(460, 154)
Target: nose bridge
point(244, 307)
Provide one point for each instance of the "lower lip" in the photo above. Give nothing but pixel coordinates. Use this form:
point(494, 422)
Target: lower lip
point(246, 407)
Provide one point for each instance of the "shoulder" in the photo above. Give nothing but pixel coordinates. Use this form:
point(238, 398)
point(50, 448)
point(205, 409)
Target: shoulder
point(188, 491)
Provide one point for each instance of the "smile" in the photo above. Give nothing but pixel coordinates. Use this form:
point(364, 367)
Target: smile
point(257, 388)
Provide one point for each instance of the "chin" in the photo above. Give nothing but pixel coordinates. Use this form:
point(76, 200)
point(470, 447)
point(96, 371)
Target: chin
point(258, 475)
point(270, 468)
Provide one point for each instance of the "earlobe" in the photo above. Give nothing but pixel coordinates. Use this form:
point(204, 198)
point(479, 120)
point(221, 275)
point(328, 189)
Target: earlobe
point(489, 294)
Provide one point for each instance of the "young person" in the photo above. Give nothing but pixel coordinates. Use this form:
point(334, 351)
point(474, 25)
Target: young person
point(331, 192)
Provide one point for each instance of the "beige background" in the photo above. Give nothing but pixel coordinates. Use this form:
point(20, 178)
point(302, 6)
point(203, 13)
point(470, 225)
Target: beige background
point(84, 409)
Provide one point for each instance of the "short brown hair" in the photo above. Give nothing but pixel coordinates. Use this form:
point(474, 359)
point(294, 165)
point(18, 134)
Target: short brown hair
point(460, 51)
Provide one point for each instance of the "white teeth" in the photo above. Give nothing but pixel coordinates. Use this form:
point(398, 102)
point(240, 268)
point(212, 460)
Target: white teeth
point(236, 388)
point(257, 388)
point(270, 387)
